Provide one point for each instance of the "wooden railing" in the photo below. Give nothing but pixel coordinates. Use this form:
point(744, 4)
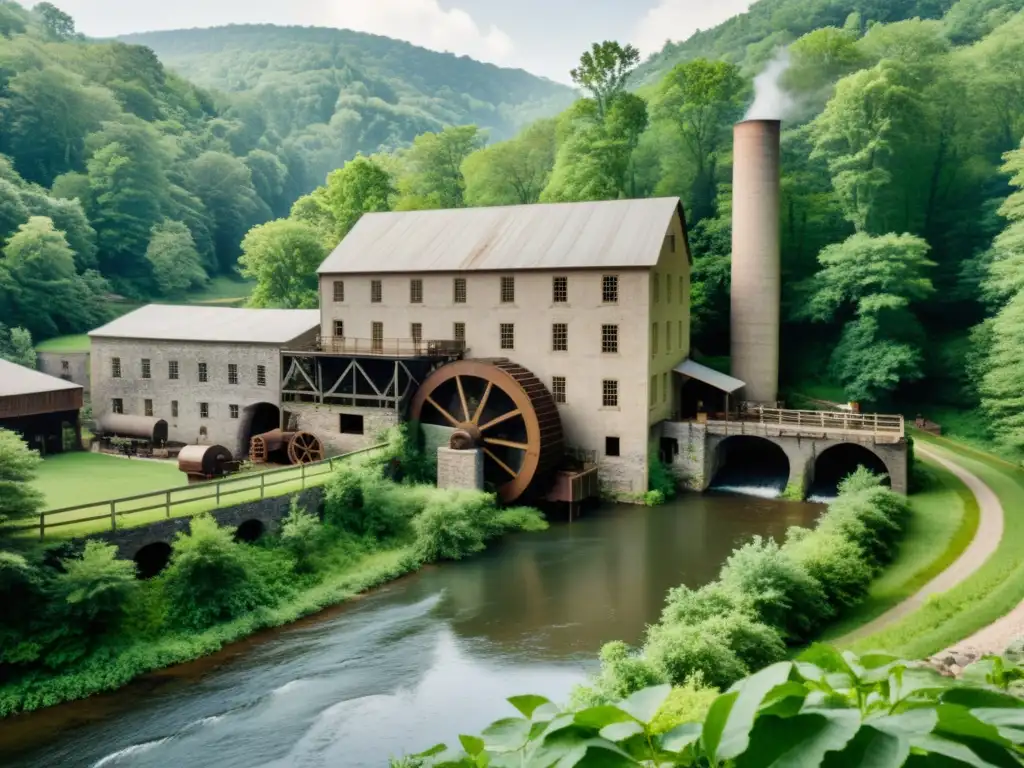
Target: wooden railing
point(879, 426)
point(202, 497)
point(348, 345)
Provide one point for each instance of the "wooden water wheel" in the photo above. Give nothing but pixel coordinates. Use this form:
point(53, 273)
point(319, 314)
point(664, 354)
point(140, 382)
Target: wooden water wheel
point(305, 448)
point(503, 409)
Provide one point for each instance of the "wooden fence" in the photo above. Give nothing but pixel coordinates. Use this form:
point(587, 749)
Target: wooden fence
point(835, 424)
point(202, 497)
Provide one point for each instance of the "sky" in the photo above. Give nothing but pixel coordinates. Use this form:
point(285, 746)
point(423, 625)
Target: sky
point(545, 37)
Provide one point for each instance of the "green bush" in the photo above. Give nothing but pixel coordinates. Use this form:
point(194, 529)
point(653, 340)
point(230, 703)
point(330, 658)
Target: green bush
point(520, 519)
point(678, 651)
point(360, 501)
point(834, 561)
point(755, 644)
point(623, 671)
point(23, 597)
point(660, 478)
point(688, 606)
point(779, 589)
point(450, 529)
point(686, 704)
point(303, 536)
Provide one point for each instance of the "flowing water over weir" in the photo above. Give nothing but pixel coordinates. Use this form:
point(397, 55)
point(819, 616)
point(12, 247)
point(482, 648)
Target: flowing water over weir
point(416, 662)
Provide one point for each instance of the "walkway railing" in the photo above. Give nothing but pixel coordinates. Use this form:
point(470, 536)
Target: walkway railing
point(348, 345)
point(193, 499)
point(881, 427)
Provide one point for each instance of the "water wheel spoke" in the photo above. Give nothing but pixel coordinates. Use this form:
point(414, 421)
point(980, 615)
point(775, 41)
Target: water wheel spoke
point(506, 443)
point(451, 419)
point(462, 397)
point(501, 419)
point(500, 463)
point(483, 403)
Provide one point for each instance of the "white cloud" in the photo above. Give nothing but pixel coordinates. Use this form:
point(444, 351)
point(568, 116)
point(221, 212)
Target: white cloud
point(678, 19)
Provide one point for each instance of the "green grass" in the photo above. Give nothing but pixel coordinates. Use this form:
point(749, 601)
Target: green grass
point(990, 593)
point(944, 519)
point(971, 429)
point(222, 290)
point(76, 343)
point(82, 478)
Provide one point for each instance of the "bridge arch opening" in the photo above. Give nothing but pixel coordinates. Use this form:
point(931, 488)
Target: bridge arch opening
point(834, 464)
point(750, 465)
point(152, 559)
point(257, 419)
point(250, 531)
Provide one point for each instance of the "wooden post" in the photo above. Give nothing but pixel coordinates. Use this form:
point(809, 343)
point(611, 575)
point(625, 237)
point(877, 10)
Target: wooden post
point(113, 516)
point(168, 503)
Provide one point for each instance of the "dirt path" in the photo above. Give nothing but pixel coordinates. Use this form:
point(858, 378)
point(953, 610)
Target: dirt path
point(990, 531)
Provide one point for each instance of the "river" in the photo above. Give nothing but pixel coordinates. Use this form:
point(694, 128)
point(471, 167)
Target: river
point(416, 662)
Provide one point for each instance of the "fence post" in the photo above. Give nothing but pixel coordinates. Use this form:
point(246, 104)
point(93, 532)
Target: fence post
point(262, 486)
point(42, 525)
point(168, 502)
point(302, 468)
point(113, 516)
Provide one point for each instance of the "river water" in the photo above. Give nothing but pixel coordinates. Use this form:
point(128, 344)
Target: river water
point(416, 662)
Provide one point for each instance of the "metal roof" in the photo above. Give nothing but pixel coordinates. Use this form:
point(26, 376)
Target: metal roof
point(608, 234)
point(167, 322)
point(721, 381)
point(18, 380)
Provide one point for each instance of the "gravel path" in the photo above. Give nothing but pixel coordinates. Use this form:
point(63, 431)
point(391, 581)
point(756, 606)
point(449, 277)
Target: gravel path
point(990, 531)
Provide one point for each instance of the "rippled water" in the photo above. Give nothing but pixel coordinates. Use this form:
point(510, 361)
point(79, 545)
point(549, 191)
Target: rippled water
point(418, 661)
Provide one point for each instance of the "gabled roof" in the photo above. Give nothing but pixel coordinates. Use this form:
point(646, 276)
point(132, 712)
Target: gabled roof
point(609, 234)
point(719, 381)
point(18, 380)
point(167, 322)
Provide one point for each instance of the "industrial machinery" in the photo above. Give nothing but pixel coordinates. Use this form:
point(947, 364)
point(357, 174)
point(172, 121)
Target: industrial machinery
point(286, 447)
point(504, 410)
point(205, 462)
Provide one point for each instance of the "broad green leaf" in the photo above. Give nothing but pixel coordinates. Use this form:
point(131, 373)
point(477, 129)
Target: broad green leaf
point(801, 741)
point(958, 723)
point(916, 682)
point(506, 735)
point(472, 744)
point(750, 693)
point(1010, 722)
point(870, 748)
point(527, 704)
point(644, 705)
point(951, 749)
point(787, 699)
point(599, 717)
point(437, 749)
point(621, 731)
point(974, 698)
point(874, 660)
point(681, 737)
point(545, 713)
point(715, 722)
point(826, 658)
point(906, 724)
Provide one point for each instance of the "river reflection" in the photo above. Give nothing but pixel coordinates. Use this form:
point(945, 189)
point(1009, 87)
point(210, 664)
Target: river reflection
point(415, 662)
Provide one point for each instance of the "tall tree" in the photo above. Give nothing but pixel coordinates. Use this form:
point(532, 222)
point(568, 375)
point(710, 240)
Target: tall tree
point(224, 184)
point(16, 346)
point(57, 24)
point(282, 257)
point(604, 70)
point(18, 465)
point(512, 172)
point(434, 163)
point(174, 260)
point(269, 178)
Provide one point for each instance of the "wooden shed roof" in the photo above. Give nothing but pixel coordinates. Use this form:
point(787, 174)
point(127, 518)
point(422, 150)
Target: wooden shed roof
point(18, 380)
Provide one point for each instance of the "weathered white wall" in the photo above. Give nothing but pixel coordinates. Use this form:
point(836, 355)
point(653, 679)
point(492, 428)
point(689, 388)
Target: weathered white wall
point(324, 421)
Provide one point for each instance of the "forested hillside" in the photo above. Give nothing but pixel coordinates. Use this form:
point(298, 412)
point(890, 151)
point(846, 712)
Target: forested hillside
point(320, 96)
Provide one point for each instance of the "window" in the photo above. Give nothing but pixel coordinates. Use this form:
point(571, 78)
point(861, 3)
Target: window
point(610, 393)
point(459, 288)
point(668, 289)
point(117, 405)
point(172, 369)
point(654, 339)
point(202, 372)
point(416, 331)
point(680, 335)
point(460, 332)
point(610, 339)
point(610, 289)
point(416, 291)
point(261, 375)
point(174, 409)
point(508, 290)
point(350, 424)
point(654, 391)
point(204, 410)
point(671, 243)
point(376, 292)
point(668, 336)
point(65, 366)
point(146, 371)
point(233, 411)
point(339, 290)
point(147, 407)
point(339, 329)
point(508, 336)
point(611, 446)
point(232, 373)
point(560, 337)
point(560, 290)
point(558, 388)
point(202, 431)
point(664, 387)
point(377, 336)
point(657, 289)
point(115, 367)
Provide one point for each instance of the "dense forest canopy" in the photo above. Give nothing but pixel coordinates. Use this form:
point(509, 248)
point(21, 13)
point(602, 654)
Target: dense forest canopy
point(319, 96)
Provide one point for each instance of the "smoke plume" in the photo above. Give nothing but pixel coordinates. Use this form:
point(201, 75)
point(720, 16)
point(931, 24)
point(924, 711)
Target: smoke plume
point(771, 102)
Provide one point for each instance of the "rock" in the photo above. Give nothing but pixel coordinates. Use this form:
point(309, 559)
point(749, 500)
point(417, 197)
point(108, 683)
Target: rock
point(956, 670)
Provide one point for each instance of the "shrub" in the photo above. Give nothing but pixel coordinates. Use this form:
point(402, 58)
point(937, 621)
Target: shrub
point(303, 536)
point(755, 644)
point(454, 525)
point(779, 589)
point(18, 465)
point(520, 519)
point(358, 500)
point(678, 651)
point(623, 671)
point(660, 478)
point(210, 579)
point(688, 606)
point(22, 597)
point(871, 518)
point(836, 562)
point(653, 499)
point(686, 704)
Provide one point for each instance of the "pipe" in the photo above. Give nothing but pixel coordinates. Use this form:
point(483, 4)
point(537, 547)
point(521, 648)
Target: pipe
point(756, 264)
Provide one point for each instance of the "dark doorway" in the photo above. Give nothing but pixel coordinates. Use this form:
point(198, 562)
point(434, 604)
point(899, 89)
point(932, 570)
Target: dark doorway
point(752, 466)
point(152, 559)
point(351, 423)
point(259, 418)
point(249, 531)
point(835, 464)
point(697, 397)
point(669, 449)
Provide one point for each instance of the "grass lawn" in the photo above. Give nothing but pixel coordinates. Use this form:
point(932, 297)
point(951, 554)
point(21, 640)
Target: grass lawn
point(223, 290)
point(990, 593)
point(944, 520)
point(77, 343)
point(71, 479)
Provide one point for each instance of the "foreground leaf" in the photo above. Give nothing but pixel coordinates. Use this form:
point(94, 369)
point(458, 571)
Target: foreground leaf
point(644, 705)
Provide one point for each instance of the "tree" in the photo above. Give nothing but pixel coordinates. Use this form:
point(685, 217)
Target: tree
point(68, 216)
point(604, 70)
point(1006, 270)
point(174, 260)
point(57, 24)
point(361, 186)
point(434, 164)
point(13, 212)
point(16, 346)
point(702, 99)
point(224, 185)
point(283, 256)
point(512, 172)
point(269, 178)
point(18, 465)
